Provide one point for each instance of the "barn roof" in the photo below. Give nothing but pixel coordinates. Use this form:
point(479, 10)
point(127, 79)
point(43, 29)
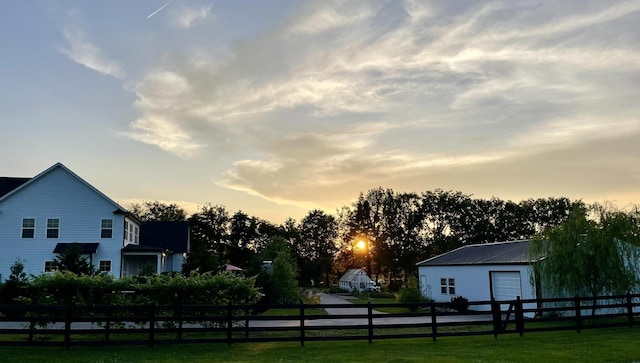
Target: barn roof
point(500, 253)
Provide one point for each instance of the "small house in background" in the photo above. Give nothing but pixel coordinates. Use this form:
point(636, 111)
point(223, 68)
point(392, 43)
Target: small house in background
point(232, 268)
point(356, 279)
point(479, 272)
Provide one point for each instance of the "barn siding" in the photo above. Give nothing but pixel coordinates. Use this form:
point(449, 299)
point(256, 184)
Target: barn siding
point(471, 281)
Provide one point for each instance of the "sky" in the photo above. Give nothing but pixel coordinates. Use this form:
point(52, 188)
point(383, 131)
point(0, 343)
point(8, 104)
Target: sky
point(282, 106)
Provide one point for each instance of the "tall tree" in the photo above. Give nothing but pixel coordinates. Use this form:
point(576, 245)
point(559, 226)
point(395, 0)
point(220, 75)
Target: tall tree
point(158, 212)
point(589, 256)
point(316, 245)
point(209, 236)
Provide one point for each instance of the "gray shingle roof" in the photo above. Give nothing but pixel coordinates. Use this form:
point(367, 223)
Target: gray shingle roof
point(500, 253)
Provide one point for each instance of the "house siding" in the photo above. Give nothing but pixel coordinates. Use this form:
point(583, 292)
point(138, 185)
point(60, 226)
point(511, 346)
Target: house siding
point(80, 209)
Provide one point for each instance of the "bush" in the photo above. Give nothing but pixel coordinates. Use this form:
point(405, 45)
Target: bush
point(382, 295)
point(334, 290)
point(411, 294)
point(459, 303)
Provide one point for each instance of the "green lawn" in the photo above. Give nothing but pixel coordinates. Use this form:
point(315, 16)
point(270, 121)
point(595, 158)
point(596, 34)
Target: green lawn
point(605, 345)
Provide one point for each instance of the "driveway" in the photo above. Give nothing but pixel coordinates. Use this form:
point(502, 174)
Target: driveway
point(379, 318)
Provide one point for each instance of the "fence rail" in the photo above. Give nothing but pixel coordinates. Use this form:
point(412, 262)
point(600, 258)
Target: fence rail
point(98, 325)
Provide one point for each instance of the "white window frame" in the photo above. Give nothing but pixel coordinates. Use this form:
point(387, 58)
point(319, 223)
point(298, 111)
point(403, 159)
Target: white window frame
point(110, 263)
point(136, 234)
point(57, 228)
point(33, 229)
point(447, 286)
point(104, 229)
point(51, 266)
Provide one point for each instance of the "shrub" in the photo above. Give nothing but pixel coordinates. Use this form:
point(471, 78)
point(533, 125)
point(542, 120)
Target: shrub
point(459, 303)
point(411, 294)
point(382, 295)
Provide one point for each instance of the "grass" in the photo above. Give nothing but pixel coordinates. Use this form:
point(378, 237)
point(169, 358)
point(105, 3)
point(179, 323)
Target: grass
point(364, 298)
point(605, 345)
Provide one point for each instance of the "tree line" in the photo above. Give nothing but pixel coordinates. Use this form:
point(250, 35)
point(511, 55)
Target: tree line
point(383, 231)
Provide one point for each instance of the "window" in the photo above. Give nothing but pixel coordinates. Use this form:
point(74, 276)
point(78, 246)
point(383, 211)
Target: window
point(49, 266)
point(126, 230)
point(28, 227)
point(448, 286)
point(53, 228)
point(106, 228)
point(136, 234)
point(105, 266)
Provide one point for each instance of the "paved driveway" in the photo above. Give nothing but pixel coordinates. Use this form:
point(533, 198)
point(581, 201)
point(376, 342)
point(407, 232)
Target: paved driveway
point(379, 318)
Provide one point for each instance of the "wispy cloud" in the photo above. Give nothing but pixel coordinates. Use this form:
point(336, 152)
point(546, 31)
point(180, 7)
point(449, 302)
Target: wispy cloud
point(349, 95)
point(82, 51)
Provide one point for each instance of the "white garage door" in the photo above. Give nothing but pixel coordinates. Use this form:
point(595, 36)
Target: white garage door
point(506, 285)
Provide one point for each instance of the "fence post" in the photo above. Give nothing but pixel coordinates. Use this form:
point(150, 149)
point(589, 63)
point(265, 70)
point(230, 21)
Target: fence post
point(107, 326)
point(519, 316)
point(434, 325)
point(370, 321)
point(229, 324)
point(497, 317)
point(67, 327)
point(180, 312)
point(576, 302)
point(629, 309)
point(32, 326)
point(301, 323)
point(152, 325)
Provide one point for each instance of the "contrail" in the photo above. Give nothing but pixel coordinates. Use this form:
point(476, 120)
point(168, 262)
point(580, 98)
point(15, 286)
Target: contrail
point(162, 7)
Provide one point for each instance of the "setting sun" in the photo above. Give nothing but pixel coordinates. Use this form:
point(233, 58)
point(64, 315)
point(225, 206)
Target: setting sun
point(361, 245)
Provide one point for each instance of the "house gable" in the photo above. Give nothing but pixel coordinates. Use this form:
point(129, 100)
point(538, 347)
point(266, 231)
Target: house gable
point(77, 208)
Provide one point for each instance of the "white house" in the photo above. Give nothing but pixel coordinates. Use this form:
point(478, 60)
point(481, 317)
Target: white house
point(356, 279)
point(41, 216)
point(479, 273)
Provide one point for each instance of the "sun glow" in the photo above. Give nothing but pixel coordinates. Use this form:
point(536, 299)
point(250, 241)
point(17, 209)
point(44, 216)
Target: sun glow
point(361, 245)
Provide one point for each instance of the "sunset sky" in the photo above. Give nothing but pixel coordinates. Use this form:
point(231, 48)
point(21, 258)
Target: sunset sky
point(278, 107)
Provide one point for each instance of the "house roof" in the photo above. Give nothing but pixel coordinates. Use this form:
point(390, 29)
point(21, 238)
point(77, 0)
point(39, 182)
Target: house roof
point(86, 248)
point(172, 236)
point(352, 274)
point(8, 184)
point(500, 253)
point(28, 181)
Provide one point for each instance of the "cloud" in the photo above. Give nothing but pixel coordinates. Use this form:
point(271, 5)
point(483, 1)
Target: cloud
point(186, 16)
point(343, 96)
point(82, 51)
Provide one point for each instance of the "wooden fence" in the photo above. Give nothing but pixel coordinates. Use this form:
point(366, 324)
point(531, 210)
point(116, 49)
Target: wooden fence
point(99, 325)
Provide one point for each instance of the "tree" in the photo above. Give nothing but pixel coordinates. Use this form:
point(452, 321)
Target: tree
point(316, 245)
point(589, 256)
point(279, 283)
point(210, 230)
point(72, 260)
point(158, 212)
